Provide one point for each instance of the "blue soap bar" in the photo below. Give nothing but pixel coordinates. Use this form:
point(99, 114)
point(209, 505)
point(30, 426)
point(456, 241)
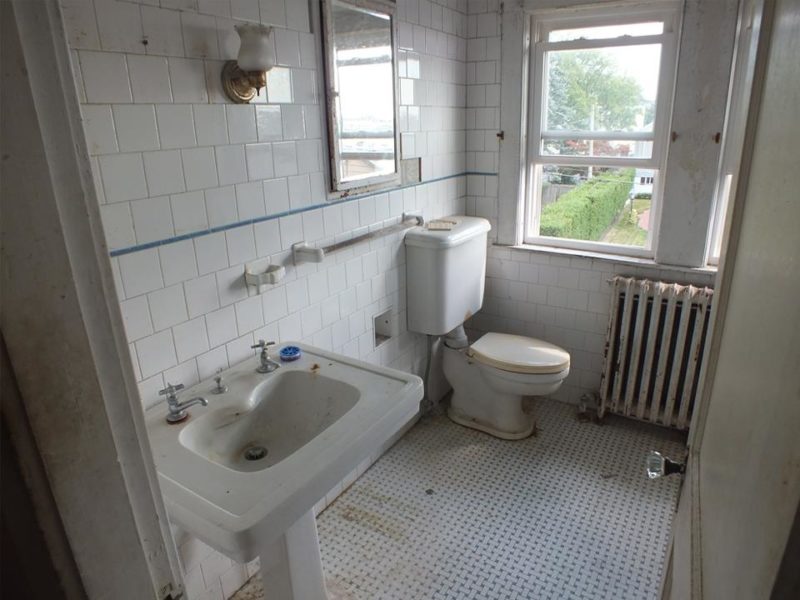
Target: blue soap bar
point(290, 353)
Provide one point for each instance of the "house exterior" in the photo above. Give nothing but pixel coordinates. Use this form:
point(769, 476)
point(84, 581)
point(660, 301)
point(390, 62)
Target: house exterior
point(642, 182)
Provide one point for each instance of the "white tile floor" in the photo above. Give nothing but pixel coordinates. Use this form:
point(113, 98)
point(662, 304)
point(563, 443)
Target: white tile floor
point(451, 513)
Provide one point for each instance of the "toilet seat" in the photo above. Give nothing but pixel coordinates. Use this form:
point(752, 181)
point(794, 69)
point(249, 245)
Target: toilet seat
point(519, 354)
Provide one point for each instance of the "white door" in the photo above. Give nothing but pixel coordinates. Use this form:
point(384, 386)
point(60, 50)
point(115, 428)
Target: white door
point(742, 485)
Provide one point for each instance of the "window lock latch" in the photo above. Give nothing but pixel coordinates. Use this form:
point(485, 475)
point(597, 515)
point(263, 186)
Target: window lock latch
point(501, 135)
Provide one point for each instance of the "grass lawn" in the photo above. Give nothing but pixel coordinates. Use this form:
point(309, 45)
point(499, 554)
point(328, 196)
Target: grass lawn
point(625, 229)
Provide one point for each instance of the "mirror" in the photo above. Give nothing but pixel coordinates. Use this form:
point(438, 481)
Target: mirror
point(361, 94)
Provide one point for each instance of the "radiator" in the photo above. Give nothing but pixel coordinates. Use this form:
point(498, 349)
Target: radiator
point(655, 350)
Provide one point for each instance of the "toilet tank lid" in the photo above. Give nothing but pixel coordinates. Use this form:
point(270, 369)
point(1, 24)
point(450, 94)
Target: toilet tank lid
point(519, 354)
point(462, 230)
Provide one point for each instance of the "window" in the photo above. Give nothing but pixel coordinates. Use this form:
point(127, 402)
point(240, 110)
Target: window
point(361, 89)
point(600, 100)
point(735, 122)
point(723, 196)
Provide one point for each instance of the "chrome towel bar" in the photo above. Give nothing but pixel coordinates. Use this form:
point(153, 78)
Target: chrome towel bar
point(303, 253)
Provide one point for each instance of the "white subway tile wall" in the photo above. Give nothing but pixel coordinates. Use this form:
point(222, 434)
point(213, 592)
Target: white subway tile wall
point(157, 125)
point(483, 108)
point(173, 157)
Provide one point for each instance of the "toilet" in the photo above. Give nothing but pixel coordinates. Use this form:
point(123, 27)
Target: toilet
point(445, 274)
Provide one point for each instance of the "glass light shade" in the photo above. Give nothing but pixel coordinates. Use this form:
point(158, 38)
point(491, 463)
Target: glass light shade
point(255, 50)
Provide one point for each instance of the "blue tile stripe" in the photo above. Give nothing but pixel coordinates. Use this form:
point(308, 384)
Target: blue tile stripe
point(286, 213)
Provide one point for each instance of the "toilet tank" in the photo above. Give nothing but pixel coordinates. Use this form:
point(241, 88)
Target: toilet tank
point(445, 272)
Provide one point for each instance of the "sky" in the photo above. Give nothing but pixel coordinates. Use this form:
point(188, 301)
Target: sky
point(641, 62)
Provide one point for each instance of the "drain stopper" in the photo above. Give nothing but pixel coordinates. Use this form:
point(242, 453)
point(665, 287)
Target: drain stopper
point(255, 453)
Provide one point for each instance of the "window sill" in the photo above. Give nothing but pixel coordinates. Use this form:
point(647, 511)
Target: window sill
point(612, 258)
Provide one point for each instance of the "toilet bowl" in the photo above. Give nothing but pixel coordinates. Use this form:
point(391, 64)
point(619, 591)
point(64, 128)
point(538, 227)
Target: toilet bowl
point(492, 376)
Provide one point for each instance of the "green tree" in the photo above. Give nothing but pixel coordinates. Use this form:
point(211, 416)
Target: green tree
point(586, 88)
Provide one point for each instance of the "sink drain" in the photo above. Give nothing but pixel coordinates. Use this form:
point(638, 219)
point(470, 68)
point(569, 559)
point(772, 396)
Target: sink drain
point(255, 453)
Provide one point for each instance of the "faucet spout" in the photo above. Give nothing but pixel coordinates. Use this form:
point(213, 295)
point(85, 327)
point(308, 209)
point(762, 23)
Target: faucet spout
point(186, 404)
point(177, 410)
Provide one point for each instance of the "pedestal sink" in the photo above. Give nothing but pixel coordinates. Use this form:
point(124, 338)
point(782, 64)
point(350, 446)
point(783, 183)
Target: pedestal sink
point(244, 473)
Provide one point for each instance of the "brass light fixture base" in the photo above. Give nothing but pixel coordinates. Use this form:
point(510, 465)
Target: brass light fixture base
point(241, 86)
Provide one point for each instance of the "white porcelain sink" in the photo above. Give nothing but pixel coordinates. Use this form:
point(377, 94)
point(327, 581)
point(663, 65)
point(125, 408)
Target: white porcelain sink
point(244, 473)
point(288, 410)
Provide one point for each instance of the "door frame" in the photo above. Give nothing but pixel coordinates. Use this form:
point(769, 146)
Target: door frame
point(63, 328)
point(686, 526)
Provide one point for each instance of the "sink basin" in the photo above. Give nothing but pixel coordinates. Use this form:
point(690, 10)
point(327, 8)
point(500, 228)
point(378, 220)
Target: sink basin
point(244, 473)
point(287, 411)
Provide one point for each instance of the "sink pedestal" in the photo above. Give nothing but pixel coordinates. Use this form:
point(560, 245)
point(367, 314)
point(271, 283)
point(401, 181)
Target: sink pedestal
point(291, 567)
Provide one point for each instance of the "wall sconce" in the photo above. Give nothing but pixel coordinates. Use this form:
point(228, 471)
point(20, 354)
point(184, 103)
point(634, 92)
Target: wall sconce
point(244, 77)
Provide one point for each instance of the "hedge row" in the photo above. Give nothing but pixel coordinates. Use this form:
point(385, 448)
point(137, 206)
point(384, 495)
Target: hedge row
point(588, 210)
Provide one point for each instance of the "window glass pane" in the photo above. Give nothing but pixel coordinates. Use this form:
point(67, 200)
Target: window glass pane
point(620, 148)
point(603, 89)
point(719, 217)
point(364, 81)
point(366, 154)
point(605, 32)
point(598, 204)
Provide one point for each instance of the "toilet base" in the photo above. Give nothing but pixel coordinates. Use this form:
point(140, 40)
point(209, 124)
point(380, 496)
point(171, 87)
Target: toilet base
point(490, 399)
point(478, 405)
point(466, 421)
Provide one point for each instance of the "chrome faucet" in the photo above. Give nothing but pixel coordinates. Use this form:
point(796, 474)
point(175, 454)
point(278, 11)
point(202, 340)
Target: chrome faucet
point(267, 364)
point(177, 410)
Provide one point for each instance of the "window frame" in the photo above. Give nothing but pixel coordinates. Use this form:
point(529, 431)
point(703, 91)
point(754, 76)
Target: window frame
point(541, 24)
point(741, 84)
point(337, 187)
